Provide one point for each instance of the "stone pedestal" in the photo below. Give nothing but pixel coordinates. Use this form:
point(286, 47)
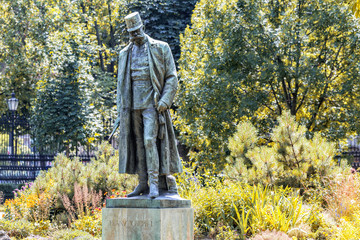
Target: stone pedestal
point(141, 218)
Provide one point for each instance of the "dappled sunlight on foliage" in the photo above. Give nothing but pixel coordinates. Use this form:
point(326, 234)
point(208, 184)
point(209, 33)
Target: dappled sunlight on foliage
point(265, 89)
point(347, 227)
point(250, 209)
point(30, 205)
point(254, 60)
point(60, 57)
point(290, 159)
point(71, 193)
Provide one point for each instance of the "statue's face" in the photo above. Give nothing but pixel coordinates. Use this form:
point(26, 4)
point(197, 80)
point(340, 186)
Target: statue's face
point(137, 36)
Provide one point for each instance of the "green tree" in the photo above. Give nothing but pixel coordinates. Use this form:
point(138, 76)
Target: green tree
point(19, 53)
point(25, 29)
point(289, 160)
point(104, 20)
point(62, 116)
point(256, 59)
point(30, 29)
point(30, 62)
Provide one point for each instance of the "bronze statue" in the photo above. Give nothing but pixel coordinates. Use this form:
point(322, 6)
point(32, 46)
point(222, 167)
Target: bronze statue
point(147, 83)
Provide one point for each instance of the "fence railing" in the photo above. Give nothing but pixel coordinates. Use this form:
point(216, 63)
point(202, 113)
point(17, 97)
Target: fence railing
point(25, 168)
point(353, 156)
point(14, 131)
point(20, 161)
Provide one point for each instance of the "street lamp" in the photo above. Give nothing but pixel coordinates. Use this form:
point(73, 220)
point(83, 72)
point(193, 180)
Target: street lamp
point(13, 103)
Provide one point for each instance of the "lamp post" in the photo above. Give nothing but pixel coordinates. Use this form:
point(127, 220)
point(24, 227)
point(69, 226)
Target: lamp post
point(12, 104)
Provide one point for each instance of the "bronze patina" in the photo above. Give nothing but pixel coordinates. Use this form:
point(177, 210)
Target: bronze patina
point(147, 84)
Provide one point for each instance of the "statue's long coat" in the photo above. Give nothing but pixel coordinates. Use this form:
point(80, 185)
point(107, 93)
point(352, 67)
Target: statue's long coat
point(164, 81)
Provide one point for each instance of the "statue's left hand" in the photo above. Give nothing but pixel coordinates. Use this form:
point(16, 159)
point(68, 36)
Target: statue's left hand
point(161, 106)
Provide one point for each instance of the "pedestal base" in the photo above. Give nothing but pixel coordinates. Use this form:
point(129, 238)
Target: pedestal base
point(147, 219)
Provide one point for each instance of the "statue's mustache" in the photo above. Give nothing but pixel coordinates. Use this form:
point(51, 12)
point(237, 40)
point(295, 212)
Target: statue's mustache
point(139, 37)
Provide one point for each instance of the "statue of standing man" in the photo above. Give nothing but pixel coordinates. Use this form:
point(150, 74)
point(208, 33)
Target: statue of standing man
point(147, 83)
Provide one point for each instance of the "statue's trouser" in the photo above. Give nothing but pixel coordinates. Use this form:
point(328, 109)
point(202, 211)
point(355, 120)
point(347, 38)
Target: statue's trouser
point(146, 126)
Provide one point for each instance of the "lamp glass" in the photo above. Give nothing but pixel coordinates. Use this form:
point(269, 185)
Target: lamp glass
point(13, 102)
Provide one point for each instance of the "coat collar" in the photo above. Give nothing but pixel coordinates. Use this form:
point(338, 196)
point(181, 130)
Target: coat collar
point(151, 42)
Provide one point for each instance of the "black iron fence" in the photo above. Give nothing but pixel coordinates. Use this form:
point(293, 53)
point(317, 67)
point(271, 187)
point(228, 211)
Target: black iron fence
point(25, 168)
point(22, 168)
point(15, 133)
point(20, 162)
point(352, 157)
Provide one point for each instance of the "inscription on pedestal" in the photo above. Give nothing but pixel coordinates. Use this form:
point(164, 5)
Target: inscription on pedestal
point(148, 224)
point(146, 219)
point(137, 223)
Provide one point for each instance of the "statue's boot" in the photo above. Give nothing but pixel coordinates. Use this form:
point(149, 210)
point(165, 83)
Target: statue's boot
point(143, 187)
point(171, 184)
point(152, 163)
point(154, 184)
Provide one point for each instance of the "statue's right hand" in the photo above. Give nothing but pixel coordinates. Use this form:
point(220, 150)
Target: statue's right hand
point(161, 106)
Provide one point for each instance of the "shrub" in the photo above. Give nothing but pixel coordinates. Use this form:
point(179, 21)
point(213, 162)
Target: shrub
point(82, 203)
point(343, 195)
point(91, 224)
point(227, 233)
point(70, 191)
point(190, 182)
point(347, 228)
point(288, 159)
point(30, 205)
point(101, 174)
point(17, 229)
point(249, 209)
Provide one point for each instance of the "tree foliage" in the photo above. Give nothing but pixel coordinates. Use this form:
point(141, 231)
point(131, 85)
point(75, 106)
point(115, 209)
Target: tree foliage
point(63, 112)
point(27, 25)
point(18, 54)
point(38, 36)
point(61, 59)
point(245, 59)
